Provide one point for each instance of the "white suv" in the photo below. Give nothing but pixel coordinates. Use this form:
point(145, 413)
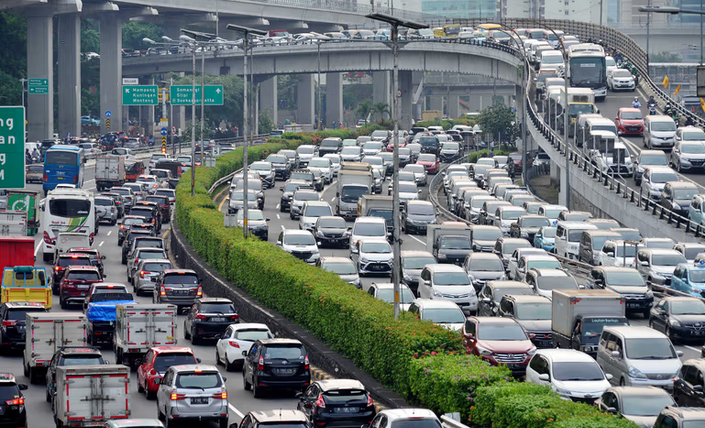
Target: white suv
point(399, 418)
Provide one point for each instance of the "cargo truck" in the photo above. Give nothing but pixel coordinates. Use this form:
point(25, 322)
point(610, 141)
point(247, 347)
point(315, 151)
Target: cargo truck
point(139, 327)
point(109, 172)
point(351, 186)
point(22, 201)
point(46, 332)
point(376, 206)
point(90, 396)
point(102, 316)
point(578, 317)
point(26, 284)
point(435, 235)
point(13, 223)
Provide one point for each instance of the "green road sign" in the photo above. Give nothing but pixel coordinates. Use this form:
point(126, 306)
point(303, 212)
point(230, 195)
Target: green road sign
point(140, 95)
point(181, 95)
point(12, 147)
point(38, 86)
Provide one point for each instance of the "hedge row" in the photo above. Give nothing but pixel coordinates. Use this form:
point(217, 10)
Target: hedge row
point(425, 363)
point(448, 123)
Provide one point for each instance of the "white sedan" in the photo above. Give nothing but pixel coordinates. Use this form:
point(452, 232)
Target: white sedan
point(239, 338)
point(621, 80)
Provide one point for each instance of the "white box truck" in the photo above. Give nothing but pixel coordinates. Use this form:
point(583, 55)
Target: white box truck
point(89, 396)
point(351, 186)
point(13, 223)
point(109, 172)
point(47, 332)
point(434, 242)
point(578, 317)
point(139, 327)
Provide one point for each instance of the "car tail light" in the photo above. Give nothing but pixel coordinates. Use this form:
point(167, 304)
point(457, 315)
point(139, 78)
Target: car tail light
point(45, 178)
point(260, 365)
point(234, 317)
point(57, 268)
point(175, 396)
point(9, 323)
point(153, 372)
point(320, 403)
point(162, 291)
point(201, 317)
point(142, 273)
point(199, 293)
point(122, 226)
point(306, 363)
point(90, 238)
point(234, 343)
point(370, 403)
point(221, 395)
point(47, 239)
point(15, 402)
point(75, 179)
point(137, 260)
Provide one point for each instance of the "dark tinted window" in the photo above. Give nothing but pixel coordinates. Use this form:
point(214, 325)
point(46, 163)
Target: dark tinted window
point(156, 267)
point(85, 276)
point(18, 314)
point(187, 278)
point(103, 202)
point(9, 392)
point(69, 207)
point(142, 212)
point(252, 335)
point(217, 308)
point(198, 380)
point(340, 396)
point(164, 361)
point(81, 360)
point(68, 261)
point(294, 352)
point(61, 158)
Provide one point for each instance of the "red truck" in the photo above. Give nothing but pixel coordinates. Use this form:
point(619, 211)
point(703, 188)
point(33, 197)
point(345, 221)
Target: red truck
point(16, 251)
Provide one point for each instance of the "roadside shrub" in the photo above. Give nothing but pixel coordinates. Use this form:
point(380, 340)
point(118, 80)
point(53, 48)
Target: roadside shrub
point(536, 411)
point(601, 420)
point(482, 409)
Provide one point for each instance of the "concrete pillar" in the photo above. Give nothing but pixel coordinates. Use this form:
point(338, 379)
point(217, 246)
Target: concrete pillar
point(111, 71)
point(334, 98)
point(40, 63)
point(558, 178)
point(69, 68)
point(268, 99)
point(453, 106)
point(406, 86)
point(305, 113)
point(381, 87)
point(437, 103)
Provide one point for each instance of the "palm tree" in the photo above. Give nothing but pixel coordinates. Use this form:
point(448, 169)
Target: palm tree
point(380, 109)
point(364, 109)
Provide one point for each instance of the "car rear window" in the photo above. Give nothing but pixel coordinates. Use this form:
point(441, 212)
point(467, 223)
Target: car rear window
point(217, 308)
point(285, 352)
point(164, 361)
point(8, 392)
point(151, 243)
point(148, 254)
point(85, 276)
point(198, 380)
point(184, 278)
point(417, 423)
point(345, 395)
point(156, 267)
point(142, 212)
point(252, 335)
point(18, 314)
point(82, 360)
point(79, 261)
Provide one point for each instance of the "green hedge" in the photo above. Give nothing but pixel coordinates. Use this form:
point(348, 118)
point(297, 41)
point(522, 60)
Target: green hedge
point(448, 123)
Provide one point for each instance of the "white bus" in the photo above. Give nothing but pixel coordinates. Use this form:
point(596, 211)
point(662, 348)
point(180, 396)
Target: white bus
point(587, 68)
point(66, 210)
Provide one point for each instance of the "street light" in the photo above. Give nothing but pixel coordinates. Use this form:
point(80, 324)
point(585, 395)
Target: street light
point(247, 31)
point(319, 39)
point(675, 11)
point(396, 23)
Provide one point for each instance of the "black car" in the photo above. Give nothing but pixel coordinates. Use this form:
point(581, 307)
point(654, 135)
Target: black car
point(12, 406)
point(680, 318)
point(288, 190)
point(417, 216)
point(127, 243)
point(304, 175)
point(429, 144)
point(337, 402)
point(452, 248)
point(157, 219)
point(126, 225)
point(96, 258)
point(282, 418)
point(209, 317)
point(331, 231)
point(688, 384)
point(276, 364)
point(330, 145)
point(70, 356)
point(449, 151)
point(12, 317)
point(280, 164)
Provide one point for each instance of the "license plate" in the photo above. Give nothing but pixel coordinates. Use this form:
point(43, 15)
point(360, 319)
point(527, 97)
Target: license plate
point(346, 409)
point(180, 292)
point(632, 305)
point(287, 372)
point(21, 328)
point(699, 333)
point(218, 319)
point(377, 267)
point(199, 400)
point(82, 286)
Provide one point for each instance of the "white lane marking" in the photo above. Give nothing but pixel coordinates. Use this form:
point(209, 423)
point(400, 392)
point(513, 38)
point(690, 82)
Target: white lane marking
point(283, 228)
point(417, 239)
point(332, 199)
point(101, 243)
point(36, 250)
point(236, 411)
point(691, 348)
point(109, 232)
point(278, 218)
point(278, 206)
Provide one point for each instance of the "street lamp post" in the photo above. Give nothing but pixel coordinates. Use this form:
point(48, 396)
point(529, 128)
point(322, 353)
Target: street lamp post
point(245, 115)
point(675, 11)
point(396, 215)
point(320, 39)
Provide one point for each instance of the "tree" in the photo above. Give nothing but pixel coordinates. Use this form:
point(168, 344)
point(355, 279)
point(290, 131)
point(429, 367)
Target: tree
point(13, 57)
point(498, 120)
point(364, 109)
point(134, 31)
point(265, 122)
point(380, 109)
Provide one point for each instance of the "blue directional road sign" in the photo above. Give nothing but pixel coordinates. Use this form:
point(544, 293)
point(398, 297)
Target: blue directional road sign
point(108, 113)
point(164, 131)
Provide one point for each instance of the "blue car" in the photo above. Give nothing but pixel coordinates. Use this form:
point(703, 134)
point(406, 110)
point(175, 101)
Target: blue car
point(545, 238)
point(689, 278)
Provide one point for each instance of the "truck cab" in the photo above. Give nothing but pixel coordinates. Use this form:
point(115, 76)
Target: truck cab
point(26, 284)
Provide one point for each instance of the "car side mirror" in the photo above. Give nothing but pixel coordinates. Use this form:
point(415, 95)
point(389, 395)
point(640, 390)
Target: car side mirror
point(486, 300)
point(244, 353)
point(679, 353)
point(545, 377)
point(299, 395)
point(279, 243)
point(198, 360)
point(354, 251)
point(608, 376)
point(597, 111)
point(102, 258)
point(609, 253)
point(611, 410)
point(644, 262)
point(22, 387)
point(469, 336)
point(698, 388)
point(615, 354)
point(616, 119)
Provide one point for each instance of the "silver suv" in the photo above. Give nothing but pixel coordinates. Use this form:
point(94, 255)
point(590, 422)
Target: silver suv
point(145, 276)
point(193, 392)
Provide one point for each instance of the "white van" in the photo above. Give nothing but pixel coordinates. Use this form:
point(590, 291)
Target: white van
point(638, 356)
point(568, 234)
point(659, 132)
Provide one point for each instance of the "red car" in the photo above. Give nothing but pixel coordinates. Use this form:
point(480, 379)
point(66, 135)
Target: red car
point(390, 144)
point(157, 361)
point(76, 284)
point(429, 161)
point(163, 204)
point(499, 341)
point(517, 157)
point(629, 121)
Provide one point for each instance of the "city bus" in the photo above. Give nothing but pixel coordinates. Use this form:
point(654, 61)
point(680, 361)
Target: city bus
point(63, 165)
point(587, 68)
point(489, 27)
point(66, 210)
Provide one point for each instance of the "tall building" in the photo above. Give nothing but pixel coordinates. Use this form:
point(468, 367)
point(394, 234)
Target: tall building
point(460, 8)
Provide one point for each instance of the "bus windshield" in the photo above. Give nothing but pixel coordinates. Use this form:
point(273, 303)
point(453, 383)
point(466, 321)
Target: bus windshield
point(587, 72)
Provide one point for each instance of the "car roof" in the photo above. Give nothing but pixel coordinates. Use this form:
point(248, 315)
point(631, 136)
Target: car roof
point(280, 341)
point(635, 332)
point(178, 271)
point(250, 325)
point(435, 304)
point(495, 320)
point(443, 267)
point(332, 384)
point(279, 415)
point(194, 367)
point(409, 413)
point(485, 256)
point(335, 260)
point(171, 349)
point(550, 272)
point(213, 300)
point(527, 298)
point(297, 232)
point(565, 355)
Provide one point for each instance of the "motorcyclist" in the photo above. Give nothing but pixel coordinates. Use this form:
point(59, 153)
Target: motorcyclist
point(668, 110)
point(689, 121)
point(636, 103)
point(35, 155)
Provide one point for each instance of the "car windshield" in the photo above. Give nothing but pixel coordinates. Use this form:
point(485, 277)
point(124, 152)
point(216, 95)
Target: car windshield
point(543, 264)
point(534, 222)
point(427, 158)
point(370, 229)
point(694, 423)
point(421, 209)
point(444, 316)
point(387, 294)
point(299, 239)
point(353, 193)
point(593, 327)
point(630, 278)
point(416, 262)
point(455, 243)
point(81, 360)
point(650, 349)
point(479, 201)
point(697, 276)
point(663, 126)
point(340, 268)
point(512, 214)
point(305, 150)
point(156, 267)
point(306, 196)
point(667, 259)
point(163, 361)
point(685, 194)
point(319, 163)
point(628, 250)
point(417, 169)
point(332, 223)
point(255, 215)
point(285, 352)
point(83, 276)
point(198, 380)
point(318, 211)
point(501, 332)
point(631, 115)
point(187, 278)
point(557, 283)
point(486, 235)
point(577, 371)
point(276, 159)
point(450, 278)
point(493, 264)
point(694, 135)
point(635, 404)
point(376, 247)
point(533, 311)
point(599, 241)
point(692, 252)
point(687, 307)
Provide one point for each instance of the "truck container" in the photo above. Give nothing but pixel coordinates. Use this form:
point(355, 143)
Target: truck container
point(447, 255)
point(89, 396)
point(578, 317)
point(369, 205)
point(351, 186)
point(16, 251)
point(46, 332)
point(355, 166)
point(27, 201)
point(139, 327)
point(13, 223)
point(109, 172)
point(66, 240)
point(26, 284)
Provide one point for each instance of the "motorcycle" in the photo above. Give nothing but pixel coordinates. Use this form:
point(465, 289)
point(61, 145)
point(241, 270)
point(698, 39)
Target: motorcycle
point(652, 109)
